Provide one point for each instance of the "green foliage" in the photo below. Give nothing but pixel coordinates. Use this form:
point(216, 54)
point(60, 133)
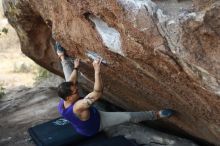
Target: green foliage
point(2, 91)
point(22, 68)
point(5, 30)
point(41, 74)
point(13, 11)
point(25, 67)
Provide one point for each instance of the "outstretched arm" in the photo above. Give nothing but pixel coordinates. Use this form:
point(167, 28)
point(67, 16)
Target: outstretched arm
point(96, 93)
point(73, 76)
point(98, 86)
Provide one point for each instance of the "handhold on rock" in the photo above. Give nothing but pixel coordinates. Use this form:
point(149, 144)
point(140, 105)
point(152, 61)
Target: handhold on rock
point(94, 56)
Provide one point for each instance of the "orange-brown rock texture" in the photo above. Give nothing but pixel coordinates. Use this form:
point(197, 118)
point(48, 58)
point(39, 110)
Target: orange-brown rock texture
point(158, 54)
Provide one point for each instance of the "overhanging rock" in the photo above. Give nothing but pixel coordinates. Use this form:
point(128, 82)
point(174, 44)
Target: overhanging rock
point(158, 54)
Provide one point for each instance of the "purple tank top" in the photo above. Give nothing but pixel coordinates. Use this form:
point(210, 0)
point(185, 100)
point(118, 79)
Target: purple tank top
point(87, 128)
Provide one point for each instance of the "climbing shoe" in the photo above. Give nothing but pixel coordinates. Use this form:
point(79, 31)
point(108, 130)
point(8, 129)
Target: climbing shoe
point(58, 48)
point(165, 113)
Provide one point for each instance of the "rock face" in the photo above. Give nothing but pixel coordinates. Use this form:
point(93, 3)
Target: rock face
point(158, 54)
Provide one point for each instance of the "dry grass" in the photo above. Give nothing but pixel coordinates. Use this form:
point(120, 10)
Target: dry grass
point(15, 68)
point(11, 61)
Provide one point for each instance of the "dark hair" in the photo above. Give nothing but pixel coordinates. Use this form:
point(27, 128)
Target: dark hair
point(64, 89)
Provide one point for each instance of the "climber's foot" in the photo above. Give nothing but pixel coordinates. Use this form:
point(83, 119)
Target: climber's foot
point(61, 55)
point(165, 113)
point(60, 51)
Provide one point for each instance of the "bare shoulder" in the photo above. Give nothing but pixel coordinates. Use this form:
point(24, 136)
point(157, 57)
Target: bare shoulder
point(77, 106)
point(85, 103)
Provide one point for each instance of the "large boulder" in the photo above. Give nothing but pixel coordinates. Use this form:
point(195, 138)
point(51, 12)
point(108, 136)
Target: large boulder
point(158, 54)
